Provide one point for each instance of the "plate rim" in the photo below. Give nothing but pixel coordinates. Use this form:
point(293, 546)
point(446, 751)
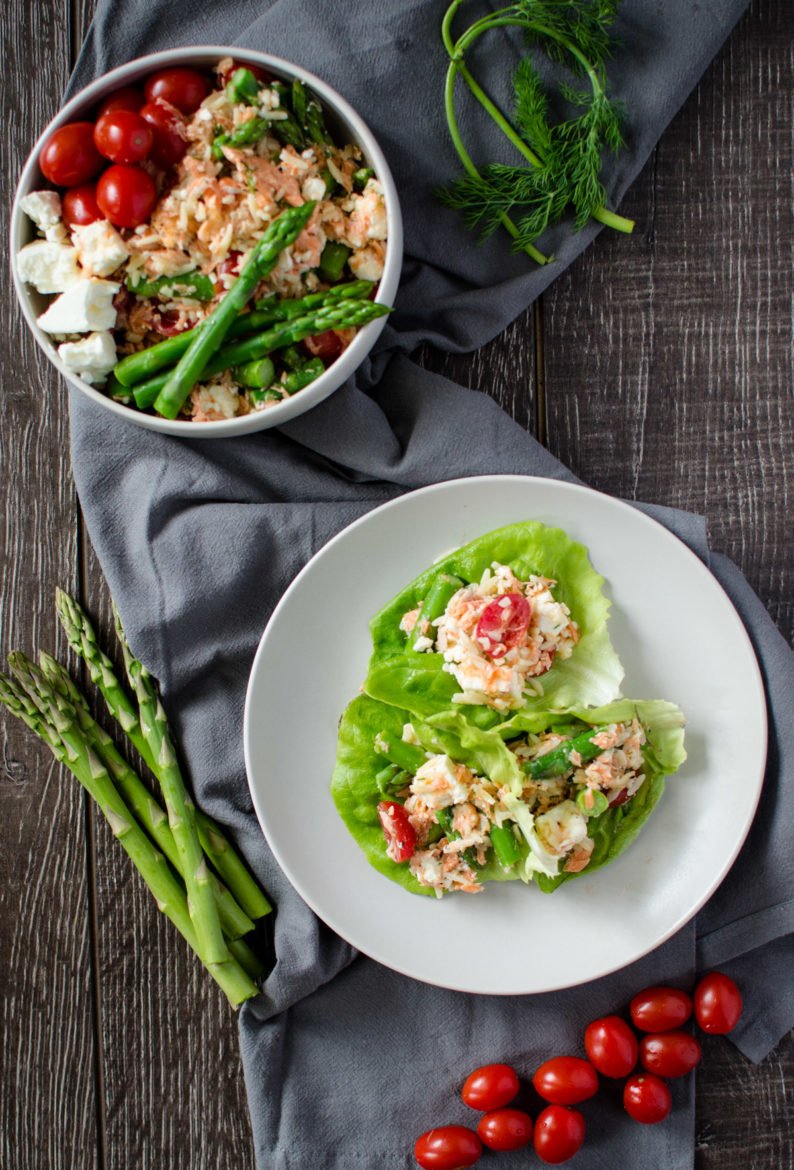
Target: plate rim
point(565, 486)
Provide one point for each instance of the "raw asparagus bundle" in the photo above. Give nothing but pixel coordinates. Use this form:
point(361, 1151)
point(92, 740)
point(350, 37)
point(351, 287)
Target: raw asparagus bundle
point(213, 908)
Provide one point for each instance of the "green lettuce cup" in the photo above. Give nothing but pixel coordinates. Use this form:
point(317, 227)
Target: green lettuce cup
point(440, 805)
point(514, 620)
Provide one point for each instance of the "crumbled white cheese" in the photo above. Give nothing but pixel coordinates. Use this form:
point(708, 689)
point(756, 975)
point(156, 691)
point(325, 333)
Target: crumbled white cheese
point(92, 358)
point(43, 207)
point(57, 234)
point(366, 265)
point(313, 188)
point(85, 307)
point(100, 248)
point(49, 266)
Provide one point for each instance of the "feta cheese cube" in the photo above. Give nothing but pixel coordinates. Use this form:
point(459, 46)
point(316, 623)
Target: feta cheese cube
point(85, 307)
point(57, 234)
point(92, 358)
point(100, 248)
point(43, 207)
point(49, 266)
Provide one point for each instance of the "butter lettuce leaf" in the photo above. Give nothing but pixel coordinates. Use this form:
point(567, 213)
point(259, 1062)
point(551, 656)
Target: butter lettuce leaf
point(417, 681)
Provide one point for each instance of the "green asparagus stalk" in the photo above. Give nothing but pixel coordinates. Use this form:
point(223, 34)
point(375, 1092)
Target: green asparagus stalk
point(137, 367)
point(234, 921)
point(282, 232)
point(344, 315)
point(57, 726)
point(558, 760)
point(82, 638)
point(223, 856)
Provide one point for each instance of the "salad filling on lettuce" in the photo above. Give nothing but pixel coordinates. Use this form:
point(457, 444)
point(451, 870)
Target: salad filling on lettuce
point(440, 805)
point(515, 620)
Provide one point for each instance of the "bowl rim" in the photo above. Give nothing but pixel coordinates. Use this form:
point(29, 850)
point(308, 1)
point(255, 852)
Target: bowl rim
point(352, 357)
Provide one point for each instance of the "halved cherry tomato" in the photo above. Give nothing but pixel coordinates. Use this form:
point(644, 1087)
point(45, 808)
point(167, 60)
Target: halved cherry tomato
point(559, 1133)
point(490, 1087)
point(79, 206)
point(660, 1009)
point(129, 97)
point(670, 1054)
point(183, 88)
point(647, 1098)
point(69, 156)
point(718, 1003)
point(611, 1046)
point(503, 623)
point(327, 346)
point(167, 126)
point(126, 195)
point(397, 829)
point(620, 798)
point(229, 267)
point(505, 1129)
point(566, 1080)
point(123, 137)
point(261, 75)
point(449, 1147)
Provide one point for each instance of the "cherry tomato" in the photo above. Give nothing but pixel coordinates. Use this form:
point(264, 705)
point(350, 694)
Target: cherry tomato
point(718, 1003)
point(620, 798)
point(261, 75)
point(559, 1133)
point(670, 1054)
point(566, 1080)
point(69, 156)
point(126, 195)
point(129, 97)
point(79, 206)
point(327, 346)
point(611, 1046)
point(660, 1009)
point(490, 1087)
point(450, 1147)
point(123, 137)
point(397, 829)
point(503, 623)
point(168, 127)
point(647, 1098)
point(183, 88)
point(505, 1129)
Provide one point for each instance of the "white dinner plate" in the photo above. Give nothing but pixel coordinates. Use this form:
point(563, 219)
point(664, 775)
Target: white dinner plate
point(679, 638)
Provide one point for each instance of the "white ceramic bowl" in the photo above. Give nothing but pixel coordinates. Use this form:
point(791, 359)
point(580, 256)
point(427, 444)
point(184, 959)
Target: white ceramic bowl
point(346, 125)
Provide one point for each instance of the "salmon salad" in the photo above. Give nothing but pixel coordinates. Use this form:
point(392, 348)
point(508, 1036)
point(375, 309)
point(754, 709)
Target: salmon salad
point(138, 260)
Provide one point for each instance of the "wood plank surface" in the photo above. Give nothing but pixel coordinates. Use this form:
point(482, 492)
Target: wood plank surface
point(667, 372)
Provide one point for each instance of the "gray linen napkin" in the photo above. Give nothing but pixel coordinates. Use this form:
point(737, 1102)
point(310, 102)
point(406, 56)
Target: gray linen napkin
point(346, 1061)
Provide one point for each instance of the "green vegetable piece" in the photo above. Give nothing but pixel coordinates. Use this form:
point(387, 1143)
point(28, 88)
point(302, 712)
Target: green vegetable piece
point(297, 380)
point(289, 132)
point(592, 802)
point(291, 357)
point(361, 177)
point(246, 134)
point(255, 375)
point(443, 588)
point(391, 780)
point(316, 129)
point(346, 314)
point(242, 87)
point(260, 397)
point(445, 816)
point(408, 756)
point(505, 846)
point(333, 260)
point(282, 232)
point(558, 760)
point(299, 101)
point(193, 285)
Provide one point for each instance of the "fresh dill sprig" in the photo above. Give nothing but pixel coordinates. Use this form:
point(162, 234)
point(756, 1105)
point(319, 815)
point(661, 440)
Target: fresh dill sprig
point(564, 158)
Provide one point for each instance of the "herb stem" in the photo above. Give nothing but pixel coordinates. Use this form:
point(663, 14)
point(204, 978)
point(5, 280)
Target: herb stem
point(505, 18)
point(465, 158)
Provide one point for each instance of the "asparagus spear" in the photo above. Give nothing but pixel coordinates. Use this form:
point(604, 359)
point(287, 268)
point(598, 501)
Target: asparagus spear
point(53, 719)
point(282, 232)
point(558, 760)
point(408, 756)
point(136, 367)
point(439, 594)
point(224, 857)
point(234, 921)
point(344, 315)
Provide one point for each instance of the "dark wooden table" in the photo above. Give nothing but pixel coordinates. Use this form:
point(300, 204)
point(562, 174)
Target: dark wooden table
point(658, 368)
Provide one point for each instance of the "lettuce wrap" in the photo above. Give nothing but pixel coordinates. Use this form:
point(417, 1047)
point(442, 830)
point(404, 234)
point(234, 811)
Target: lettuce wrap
point(417, 681)
point(369, 731)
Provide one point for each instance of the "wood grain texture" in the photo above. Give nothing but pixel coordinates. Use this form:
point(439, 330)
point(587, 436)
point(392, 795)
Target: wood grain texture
point(678, 389)
point(47, 1099)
